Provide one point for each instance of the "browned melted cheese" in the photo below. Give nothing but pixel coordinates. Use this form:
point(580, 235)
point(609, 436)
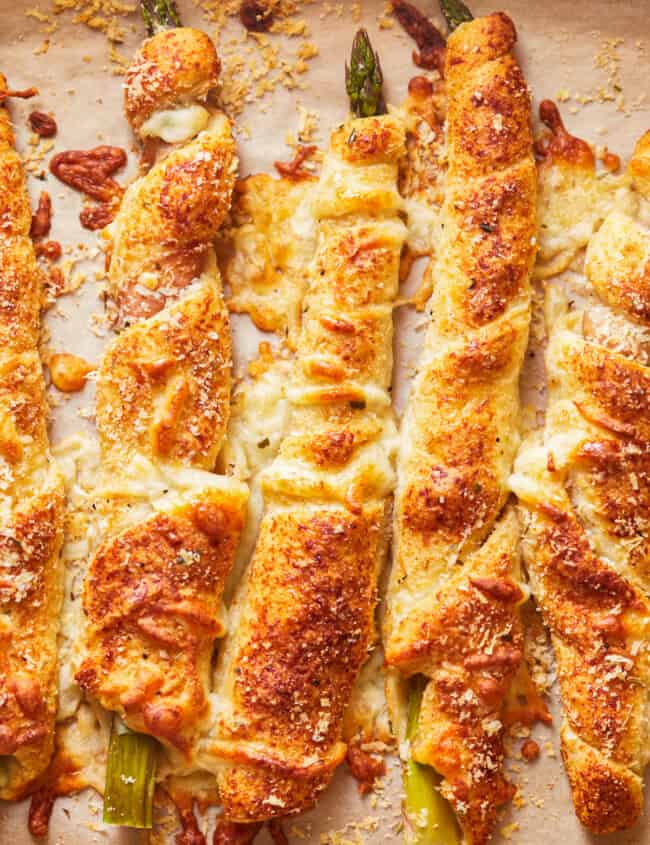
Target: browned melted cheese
point(303, 619)
point(264, 253)
point(31, 499)
point(585, 486)
point(454, 594)
point(573, 197)
point(619, 266)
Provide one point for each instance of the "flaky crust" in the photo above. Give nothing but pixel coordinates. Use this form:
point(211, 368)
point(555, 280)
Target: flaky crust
point(303, 619)
point(158, 587)
point(165, 381)
point(31, 495)
point(162, 236)
point(453, 598)
point(171, 69)
point(170, 528)
point(302, 636)
point(164, 384)
point(584, 485)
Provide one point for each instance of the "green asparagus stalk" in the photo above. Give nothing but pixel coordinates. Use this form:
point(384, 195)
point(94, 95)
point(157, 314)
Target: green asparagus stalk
point(455, 12)
point(430, 818)
point(364, 79)
point(130, 778)
point(159, 14)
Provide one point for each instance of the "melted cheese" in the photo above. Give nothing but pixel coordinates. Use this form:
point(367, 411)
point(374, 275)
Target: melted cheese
point(367, 713)
point(258, 422)
point(176, 125)
point(371, 469)
point(84, 741)
point(374, 397)
point(572, 202)
point(164, 486)
point(83, 727)
point(264, 256)
point(78, 458)
point(423, 221)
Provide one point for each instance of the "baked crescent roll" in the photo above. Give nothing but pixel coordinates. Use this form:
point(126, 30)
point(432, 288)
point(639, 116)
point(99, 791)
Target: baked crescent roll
point(170, 527)
point(453, 597)
point(585, 492)
point(303, 619)
point(31, 499)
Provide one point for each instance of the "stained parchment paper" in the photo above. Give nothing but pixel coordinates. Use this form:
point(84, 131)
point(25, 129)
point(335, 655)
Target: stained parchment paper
point(592, 55)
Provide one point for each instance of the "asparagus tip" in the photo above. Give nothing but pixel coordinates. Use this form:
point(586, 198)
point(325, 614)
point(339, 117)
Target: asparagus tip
point(363, 78)
point(455, 12)
point(159, 14)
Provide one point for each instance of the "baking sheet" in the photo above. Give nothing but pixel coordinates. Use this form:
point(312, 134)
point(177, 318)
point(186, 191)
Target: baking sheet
point(572, 50)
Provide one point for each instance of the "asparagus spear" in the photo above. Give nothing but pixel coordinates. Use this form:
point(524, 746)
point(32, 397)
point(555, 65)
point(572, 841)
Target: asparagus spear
point(159, 14)
point(430, 818)
point(364, 79)
point(130, 778)
point(455, 12)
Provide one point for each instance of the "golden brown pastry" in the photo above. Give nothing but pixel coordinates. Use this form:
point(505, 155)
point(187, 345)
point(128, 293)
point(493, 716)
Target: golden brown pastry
point(303, 619)
point(585, 492)
point(170, 527)
point(454, 593)
point(31, 498)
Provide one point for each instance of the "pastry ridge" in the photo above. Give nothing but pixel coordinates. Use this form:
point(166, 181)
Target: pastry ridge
point(170, 527)
point(303, 619)
point(583, 486)
point(454, 592)
point(31, 495)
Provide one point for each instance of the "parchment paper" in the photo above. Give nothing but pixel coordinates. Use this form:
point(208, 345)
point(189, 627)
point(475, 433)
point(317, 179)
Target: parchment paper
point(568, 47)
